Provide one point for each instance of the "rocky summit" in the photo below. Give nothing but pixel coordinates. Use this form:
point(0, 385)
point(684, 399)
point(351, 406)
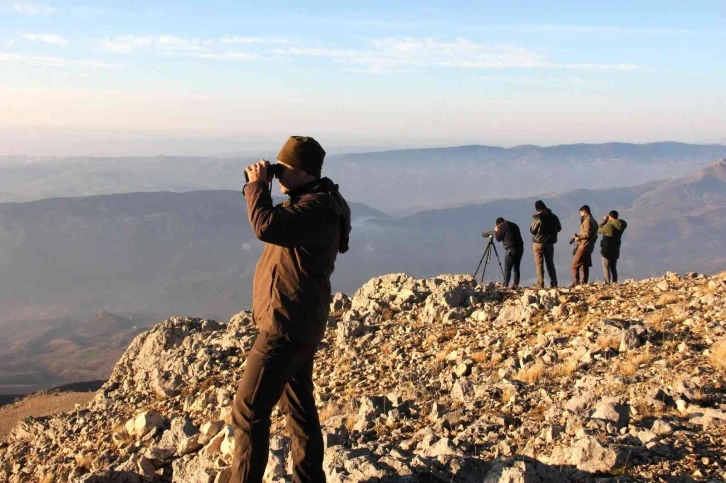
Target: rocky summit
point(440, 379)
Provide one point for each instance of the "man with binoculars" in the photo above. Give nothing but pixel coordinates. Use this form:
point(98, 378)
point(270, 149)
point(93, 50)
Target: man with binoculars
point(290, 304)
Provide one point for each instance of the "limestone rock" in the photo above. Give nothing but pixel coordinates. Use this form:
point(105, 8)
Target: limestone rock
point(612, 410)
point(587, 454)
point(144, 422)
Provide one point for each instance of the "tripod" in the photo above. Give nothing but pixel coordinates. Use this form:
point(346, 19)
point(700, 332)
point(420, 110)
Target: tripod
point(486, 256)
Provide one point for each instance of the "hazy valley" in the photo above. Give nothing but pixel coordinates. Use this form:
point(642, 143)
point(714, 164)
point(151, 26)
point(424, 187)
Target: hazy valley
point(78, 268)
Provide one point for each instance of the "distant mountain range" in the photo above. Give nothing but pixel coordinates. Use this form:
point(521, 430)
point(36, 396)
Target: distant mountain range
point(142, 256)
point(396, 181)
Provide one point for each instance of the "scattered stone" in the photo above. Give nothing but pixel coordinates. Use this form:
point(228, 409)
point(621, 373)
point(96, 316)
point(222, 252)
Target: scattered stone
point(438, 379)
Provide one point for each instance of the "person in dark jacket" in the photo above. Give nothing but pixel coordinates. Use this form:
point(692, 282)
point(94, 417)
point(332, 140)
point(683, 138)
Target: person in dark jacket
point(544, 229)
point(582, 257)
point(290, 303)
point(611, 228)
point(508, 233)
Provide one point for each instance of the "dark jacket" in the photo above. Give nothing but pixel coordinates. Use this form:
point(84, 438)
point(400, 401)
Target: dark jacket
point(510, 236)
point(291, 289)
point(612, 233)
point(545, 227)
point(588, 231)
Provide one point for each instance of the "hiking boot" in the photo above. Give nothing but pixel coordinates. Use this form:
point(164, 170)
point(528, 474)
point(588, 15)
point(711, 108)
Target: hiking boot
point(553, 284)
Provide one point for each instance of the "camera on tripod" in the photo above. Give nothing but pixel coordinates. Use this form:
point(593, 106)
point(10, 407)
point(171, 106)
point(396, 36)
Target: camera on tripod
point(487, 255)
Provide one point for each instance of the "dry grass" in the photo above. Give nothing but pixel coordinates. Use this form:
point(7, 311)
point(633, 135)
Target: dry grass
point(508, 393)
point(84, 461)
point(443, 353)
point(442, 337)
point(331, 409)
point(570, 327)
point(718, 356)
point(532, 374)
point(659, 320)
point(668, 299)
point(350, 422)
point(480, 356)
point(630, 366)
point(608, 342)
point(565, 369)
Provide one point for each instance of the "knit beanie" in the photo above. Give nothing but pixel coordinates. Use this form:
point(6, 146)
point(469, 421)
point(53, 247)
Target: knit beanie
point(539, 205)
point(303, 153)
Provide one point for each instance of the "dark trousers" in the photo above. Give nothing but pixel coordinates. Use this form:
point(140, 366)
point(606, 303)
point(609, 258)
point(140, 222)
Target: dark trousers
point(544, 254)
point(581, 262)
point(610, 268)
point(512, 260)
point(278, 369)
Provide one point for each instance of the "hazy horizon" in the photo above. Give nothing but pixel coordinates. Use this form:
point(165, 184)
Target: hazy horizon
point(227, 148)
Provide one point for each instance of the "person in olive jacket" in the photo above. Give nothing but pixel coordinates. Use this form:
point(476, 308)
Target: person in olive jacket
point(611, 228)
point(582, 257)
point(291, 296)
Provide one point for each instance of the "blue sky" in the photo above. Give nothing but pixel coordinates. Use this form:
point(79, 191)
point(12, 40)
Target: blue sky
point(113, 77)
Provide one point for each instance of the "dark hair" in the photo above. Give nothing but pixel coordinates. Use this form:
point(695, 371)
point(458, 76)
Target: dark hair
point(499, 221)
point(539, 205)
point(613, 214)
point(585, 208)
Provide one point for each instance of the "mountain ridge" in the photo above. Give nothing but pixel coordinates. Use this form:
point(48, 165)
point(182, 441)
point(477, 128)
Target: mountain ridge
point(391, 181)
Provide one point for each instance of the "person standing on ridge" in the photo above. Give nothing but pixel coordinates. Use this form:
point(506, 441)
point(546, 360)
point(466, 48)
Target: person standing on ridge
point(508, 233)
point(290, 304)
point(582, 258)
point(544, 229)
point(611, 228)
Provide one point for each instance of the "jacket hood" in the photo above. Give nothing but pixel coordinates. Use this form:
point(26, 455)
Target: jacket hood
point(341, 208)
point(619, 224)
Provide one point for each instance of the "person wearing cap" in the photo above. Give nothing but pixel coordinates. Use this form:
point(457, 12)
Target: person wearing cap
point(582, 257)
point(291, 296)
point(544, 229)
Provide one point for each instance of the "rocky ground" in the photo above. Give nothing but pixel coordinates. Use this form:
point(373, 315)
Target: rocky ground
point(428, 380)
point(39, 404)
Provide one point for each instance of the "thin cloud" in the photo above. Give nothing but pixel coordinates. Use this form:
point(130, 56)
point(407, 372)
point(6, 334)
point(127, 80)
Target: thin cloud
point(124, 44)
point(32, 8)
point(395, 54)
point(254, 40)
point(50, 61)
point(58, 40)
point(171, 45)
point(380, 56)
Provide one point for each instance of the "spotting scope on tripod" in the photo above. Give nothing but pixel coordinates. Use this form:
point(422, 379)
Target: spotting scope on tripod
point(487, 255)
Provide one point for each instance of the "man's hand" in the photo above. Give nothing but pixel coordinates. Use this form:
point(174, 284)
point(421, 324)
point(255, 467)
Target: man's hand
point(258, 171)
